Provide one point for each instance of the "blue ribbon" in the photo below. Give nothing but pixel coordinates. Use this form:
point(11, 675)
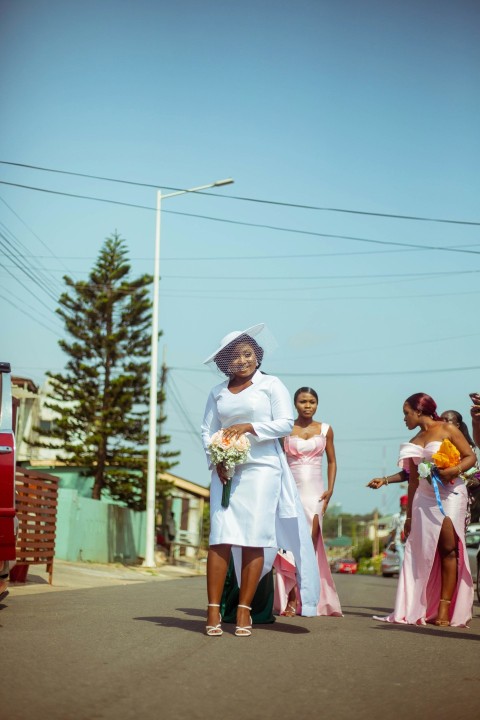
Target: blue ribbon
point(435, 481)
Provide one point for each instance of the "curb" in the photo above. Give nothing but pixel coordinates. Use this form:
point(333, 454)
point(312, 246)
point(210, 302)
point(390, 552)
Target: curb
point(81, 576)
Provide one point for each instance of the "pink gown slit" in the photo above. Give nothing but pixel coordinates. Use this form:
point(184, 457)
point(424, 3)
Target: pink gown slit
point(304, 458)
point(419, 584)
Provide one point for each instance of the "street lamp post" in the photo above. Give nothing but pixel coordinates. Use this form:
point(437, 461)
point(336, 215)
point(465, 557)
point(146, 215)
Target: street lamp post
point(152, 427)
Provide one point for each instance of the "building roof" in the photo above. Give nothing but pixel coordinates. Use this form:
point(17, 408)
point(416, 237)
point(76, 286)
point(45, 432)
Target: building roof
point(187, 485)
point(23, 387)
point(342, 541)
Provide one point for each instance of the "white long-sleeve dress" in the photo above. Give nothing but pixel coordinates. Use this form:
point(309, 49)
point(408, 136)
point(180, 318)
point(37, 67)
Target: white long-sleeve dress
point(265, 509)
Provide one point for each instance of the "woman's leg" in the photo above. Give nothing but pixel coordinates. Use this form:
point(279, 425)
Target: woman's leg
point(315, 530)
point(252, 565)
point(291, 609)
point(217, 566)
point(448, 549)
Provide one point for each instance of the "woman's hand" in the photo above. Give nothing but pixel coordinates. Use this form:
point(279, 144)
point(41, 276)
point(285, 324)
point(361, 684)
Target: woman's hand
point(376, 483)
point(234, 431)
point(407, 527)
point(326, 499)
point(222, 473)
point(447, 474)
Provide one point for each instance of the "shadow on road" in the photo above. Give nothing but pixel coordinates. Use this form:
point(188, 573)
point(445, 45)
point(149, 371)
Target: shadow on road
point(365, 612)
point(278, 626)
point(192, 611)
point(198, 626)
point(449, 633)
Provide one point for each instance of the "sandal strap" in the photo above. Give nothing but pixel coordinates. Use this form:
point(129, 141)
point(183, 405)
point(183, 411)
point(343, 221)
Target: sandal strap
point(243, 630)
point(244, 606)
point(213, 605)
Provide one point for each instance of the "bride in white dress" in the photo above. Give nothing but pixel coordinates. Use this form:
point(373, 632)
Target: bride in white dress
point(264, 512)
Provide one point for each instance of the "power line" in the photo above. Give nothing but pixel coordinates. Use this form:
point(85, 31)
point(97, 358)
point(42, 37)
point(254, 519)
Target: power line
point(24, 254)
point(25, 270)
point(271, 256)
point(78, 196)
point(248, 199)
point(22, 310)
point(25, 287)
point(393, 276)
point(430, 371)
point(51, 253)
point(177, 400)
point(309, 233)
point(31, 307)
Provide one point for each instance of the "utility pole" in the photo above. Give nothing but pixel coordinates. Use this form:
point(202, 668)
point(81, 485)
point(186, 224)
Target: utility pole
point(161, 401)
point(375, 548)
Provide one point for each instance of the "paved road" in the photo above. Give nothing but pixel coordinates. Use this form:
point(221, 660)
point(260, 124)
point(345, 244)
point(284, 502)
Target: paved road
point(138, 651)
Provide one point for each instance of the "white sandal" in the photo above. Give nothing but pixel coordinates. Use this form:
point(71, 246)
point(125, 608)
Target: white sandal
point(244, 630)
point(214, 630)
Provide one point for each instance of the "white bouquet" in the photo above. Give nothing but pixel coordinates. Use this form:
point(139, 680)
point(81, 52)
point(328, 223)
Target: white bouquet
point(230, 453)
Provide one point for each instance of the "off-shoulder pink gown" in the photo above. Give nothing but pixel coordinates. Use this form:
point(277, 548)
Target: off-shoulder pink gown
point(305, 460)
point(419, 584)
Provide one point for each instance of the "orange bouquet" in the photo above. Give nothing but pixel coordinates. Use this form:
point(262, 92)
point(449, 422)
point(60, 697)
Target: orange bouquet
point(447, 456)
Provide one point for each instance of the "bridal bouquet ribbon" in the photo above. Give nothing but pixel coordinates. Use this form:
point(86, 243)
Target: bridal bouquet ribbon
point(447, 456)
point(229, 452)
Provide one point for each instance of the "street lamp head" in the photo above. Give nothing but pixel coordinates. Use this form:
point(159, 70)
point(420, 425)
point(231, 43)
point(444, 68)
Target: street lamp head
point(228, 181)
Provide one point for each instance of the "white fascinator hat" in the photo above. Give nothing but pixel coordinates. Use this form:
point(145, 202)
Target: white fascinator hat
point(252, 332)
point(263, 340)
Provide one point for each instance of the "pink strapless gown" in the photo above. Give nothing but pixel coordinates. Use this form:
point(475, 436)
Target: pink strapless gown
point(305, 460)
point(419, 584)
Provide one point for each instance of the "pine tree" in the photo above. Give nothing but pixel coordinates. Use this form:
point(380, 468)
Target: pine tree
point(102, 397)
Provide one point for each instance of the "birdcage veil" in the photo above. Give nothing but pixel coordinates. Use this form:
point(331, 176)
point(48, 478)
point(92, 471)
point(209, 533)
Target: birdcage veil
point(259, 336)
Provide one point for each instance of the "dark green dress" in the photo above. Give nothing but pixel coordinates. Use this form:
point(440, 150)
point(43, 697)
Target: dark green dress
point(262, 603)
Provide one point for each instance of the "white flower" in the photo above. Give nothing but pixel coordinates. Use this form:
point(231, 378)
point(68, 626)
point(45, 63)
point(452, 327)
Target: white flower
point(230, 452)
point(424, 469)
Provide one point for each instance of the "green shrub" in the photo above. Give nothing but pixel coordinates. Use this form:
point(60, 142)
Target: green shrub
point(364, 550)
point(370, 565)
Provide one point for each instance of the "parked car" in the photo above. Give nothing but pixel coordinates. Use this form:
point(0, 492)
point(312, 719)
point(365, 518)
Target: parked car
point(345, 565)
point(472, 541)
point(390, 564)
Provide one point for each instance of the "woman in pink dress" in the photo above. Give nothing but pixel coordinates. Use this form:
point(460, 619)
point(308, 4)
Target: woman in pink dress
point(304, 450)
point(435, 583)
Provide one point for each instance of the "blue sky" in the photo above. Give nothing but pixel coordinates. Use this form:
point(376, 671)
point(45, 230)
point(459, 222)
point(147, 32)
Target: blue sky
point(367, 106)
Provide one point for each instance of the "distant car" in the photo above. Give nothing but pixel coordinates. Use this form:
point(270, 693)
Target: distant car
point(472, 541)
point(345, 565)
point(390, 564)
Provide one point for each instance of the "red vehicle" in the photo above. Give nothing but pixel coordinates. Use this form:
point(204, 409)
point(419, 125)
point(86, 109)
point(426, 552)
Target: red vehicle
point(345, 565)
point(7, 473)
